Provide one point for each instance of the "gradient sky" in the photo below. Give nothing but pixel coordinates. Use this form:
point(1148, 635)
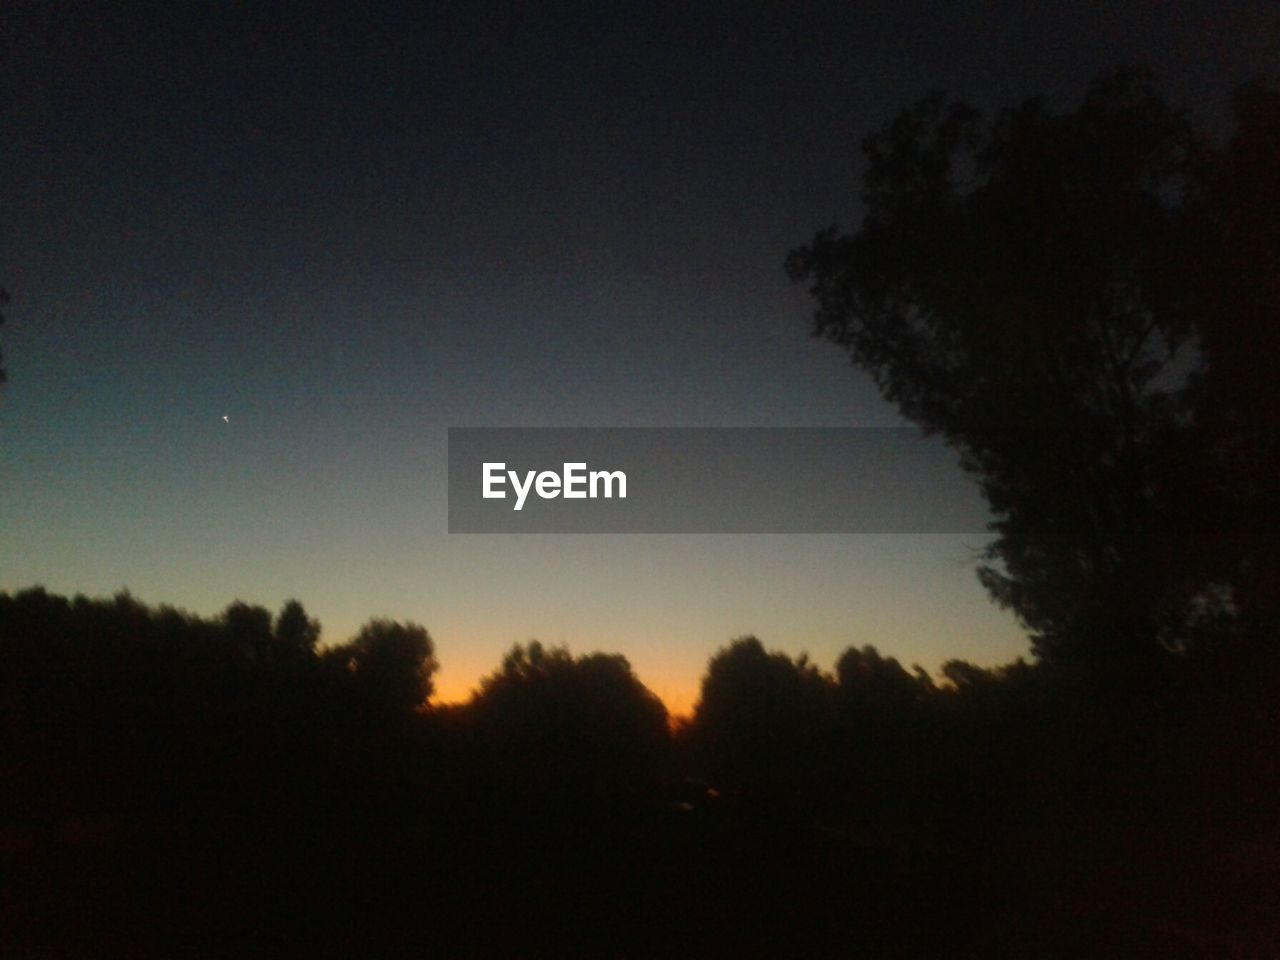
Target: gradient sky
point(348, 230)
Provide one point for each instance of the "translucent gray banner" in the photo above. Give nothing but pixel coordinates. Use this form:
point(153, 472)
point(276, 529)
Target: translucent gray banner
point(707, 480)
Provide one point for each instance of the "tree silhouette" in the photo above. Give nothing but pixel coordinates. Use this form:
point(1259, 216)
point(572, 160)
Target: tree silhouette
point(275, 781)
point(249, 629)
point(392, 663)
point(762, 723)
point(1233, 466)
point(294, 630)
point(875, 684)
point(573, 725)
point(1027, 289)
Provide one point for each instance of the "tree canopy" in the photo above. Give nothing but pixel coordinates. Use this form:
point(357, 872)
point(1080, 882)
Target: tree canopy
point(393, 663)
point(584, 723)
point(1040, 289)
point(762, 720)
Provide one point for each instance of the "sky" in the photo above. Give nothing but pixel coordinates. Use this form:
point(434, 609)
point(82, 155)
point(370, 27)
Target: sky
point(347, 229)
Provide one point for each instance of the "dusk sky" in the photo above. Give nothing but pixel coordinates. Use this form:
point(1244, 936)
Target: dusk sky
point(349, 230)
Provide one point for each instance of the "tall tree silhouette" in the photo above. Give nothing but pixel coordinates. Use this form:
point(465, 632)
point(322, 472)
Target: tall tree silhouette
point(1236, 304)
point(1026, 288)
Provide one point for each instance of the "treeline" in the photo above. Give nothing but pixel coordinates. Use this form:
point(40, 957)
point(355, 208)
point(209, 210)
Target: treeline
point(1029, 809)
point(124, 719)
point(114, 706)
point(1019, 757)
point(237, 757)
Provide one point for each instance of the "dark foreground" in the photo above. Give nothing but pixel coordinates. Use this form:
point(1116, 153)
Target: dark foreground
point(601, 882)
point(174, 787)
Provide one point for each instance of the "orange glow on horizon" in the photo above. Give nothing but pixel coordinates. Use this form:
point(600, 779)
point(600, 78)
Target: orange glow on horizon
point(678, 701)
